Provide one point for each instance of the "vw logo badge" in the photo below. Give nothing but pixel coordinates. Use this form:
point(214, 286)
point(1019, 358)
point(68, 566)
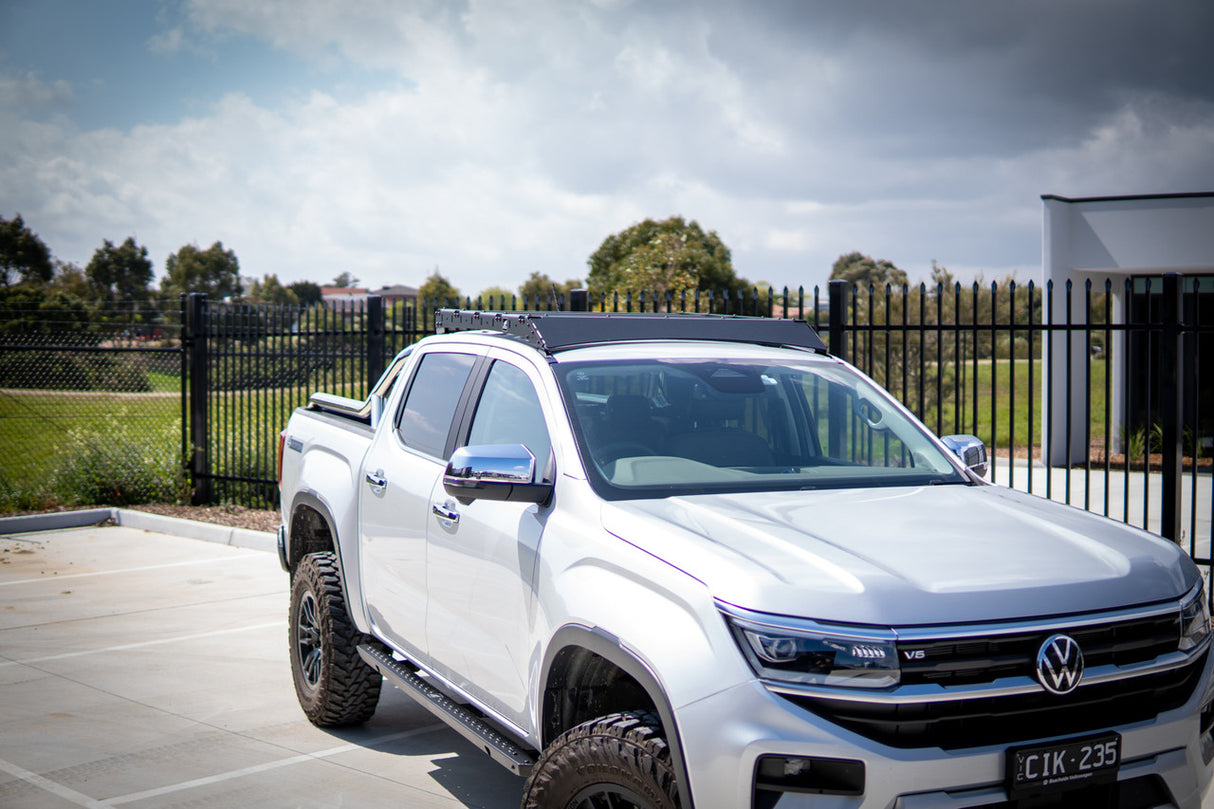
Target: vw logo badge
point(1060, 664)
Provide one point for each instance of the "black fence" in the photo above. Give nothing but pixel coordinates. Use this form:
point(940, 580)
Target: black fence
point(91, 404)
point(1102, 397)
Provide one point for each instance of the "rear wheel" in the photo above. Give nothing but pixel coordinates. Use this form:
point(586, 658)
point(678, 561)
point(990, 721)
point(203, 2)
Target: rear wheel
point(620, 761)
point(333, 684)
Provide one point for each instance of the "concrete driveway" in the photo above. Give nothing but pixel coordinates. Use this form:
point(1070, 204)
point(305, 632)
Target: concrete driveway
point(144, 669)
point(148, 668)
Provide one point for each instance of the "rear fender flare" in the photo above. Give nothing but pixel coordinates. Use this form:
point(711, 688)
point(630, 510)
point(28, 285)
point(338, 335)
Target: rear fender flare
point(295, 549)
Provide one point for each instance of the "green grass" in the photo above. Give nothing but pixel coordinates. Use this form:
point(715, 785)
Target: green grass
point(53, 441)
point(994, 404)
point(46, 435)
point(164, 383)
point(100, 448)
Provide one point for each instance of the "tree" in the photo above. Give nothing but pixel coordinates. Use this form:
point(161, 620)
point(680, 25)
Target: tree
point(659, 256)
point(71, 282)
point(438, 292)
point(214, 271)
point(120, 274)
point(861, 270)
point(307, 292)
point(24, 258)
point(344, 279)
point(270, 290)
point(498, 295)
point(539, 287)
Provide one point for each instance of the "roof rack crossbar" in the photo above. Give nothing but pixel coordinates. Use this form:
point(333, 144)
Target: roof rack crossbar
point(558, 331)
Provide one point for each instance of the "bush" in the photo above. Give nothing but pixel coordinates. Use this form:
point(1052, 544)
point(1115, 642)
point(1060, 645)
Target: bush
point(125, 466)
point(66, 370)
point(20, 496)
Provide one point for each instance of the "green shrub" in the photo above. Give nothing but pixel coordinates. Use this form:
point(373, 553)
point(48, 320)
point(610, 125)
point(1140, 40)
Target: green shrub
point(65, 370)
point(20, 496)
point(124, 466)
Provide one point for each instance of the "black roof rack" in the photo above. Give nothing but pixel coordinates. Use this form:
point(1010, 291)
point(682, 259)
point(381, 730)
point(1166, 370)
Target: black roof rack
point(558, 331)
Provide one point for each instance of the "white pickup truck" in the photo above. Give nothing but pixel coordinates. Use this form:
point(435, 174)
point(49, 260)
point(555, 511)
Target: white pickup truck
point(654, 561)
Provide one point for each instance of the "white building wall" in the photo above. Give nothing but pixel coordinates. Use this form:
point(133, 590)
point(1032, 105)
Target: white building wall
point(1109, 238)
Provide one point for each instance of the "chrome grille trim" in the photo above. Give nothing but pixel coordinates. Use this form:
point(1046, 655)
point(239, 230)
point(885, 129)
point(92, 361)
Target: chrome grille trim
point(1006, 687)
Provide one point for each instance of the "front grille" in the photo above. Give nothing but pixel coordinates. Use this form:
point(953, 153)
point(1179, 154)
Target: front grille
point(1013, 718)
point(970, 660)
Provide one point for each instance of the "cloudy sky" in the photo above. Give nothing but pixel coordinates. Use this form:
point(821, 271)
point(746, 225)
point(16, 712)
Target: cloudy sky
point(491, 138)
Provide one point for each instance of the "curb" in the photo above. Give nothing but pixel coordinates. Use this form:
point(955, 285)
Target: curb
point(190, 529)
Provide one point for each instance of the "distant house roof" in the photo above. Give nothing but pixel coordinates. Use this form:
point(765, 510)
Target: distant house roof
point(333, 296)
point(343, 293)
point(397, 291)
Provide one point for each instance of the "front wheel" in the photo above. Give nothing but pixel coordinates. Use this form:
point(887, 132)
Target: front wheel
point(620, 761)
point(334, 685)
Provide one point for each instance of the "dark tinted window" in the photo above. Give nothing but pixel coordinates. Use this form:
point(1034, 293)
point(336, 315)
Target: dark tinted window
point(430, 405)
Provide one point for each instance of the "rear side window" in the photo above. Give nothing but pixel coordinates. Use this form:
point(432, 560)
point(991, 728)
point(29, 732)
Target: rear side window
point(425, 420)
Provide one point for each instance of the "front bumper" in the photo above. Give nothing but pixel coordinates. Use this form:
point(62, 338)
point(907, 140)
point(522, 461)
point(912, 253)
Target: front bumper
point(724, 735)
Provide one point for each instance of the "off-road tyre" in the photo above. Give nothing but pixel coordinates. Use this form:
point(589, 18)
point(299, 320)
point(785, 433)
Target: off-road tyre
point(333, 684)
point(621, 760)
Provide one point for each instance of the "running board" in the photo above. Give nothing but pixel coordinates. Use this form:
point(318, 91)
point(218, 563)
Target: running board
point(463, 721)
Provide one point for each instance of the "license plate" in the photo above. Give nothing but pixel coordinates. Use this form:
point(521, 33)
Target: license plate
point(1058, 765)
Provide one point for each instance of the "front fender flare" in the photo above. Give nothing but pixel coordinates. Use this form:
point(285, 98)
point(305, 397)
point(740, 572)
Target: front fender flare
point(608, 647)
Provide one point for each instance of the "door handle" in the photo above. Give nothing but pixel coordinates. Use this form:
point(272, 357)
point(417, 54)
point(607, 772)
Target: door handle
point(377, 481)
point(445, 512)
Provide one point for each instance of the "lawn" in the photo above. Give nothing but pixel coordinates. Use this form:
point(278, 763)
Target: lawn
point(44, 435)
point(43, 432)
point(1015, 384)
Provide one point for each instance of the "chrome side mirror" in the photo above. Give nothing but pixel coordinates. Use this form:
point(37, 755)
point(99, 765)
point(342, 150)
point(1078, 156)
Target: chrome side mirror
point(494, 472)
point(971, 451)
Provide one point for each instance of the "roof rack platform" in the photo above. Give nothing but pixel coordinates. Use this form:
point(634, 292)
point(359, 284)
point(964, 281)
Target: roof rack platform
point(559, 331)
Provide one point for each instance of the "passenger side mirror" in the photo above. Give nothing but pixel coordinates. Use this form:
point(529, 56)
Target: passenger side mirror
point(971, 451)
point(494, 472)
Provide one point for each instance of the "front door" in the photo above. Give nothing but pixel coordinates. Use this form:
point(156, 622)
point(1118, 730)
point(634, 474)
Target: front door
point(482, 558)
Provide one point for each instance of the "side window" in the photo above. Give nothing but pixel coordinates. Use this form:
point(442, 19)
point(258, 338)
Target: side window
point(509, 412)
point(430, 404)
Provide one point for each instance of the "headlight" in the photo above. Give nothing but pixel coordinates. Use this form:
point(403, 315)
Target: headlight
point(1194, 620)
point(803, 656)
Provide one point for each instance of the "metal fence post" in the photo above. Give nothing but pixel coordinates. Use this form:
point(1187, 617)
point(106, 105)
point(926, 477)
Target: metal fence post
point(1171, 405)
point(375, 339)
point(837, 438)
point(579, 301)
point(838, 302)
point(196, 342)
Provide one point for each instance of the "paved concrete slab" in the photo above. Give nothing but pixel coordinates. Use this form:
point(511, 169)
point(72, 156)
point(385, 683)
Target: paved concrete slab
point(144, 669)
point(149, 670)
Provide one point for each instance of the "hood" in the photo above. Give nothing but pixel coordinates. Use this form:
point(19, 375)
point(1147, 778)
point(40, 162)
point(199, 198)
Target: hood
point(905, 556)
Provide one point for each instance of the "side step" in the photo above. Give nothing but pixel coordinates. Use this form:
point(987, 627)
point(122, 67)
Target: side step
point(462, 720)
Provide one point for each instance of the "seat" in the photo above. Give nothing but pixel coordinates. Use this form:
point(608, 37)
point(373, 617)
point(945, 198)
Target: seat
point(727, 446)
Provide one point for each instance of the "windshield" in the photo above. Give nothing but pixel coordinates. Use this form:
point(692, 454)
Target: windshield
point(658, 427)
